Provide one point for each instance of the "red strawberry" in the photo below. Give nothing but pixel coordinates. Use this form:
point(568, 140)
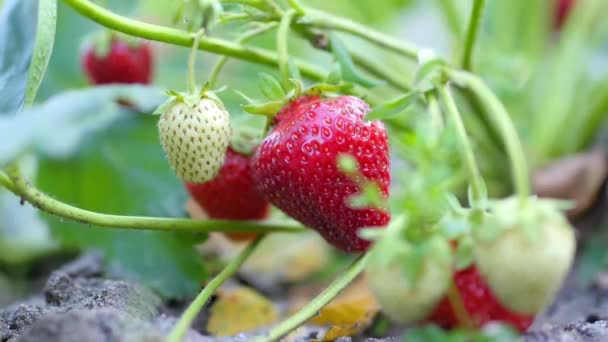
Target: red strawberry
point(562, 10)
point(480, 303)
point(123, 63)
point(295, 166)
point(231, 194)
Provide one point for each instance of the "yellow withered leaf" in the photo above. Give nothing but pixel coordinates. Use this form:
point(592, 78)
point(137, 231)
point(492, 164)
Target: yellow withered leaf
point(349, 313)
point(240, 310)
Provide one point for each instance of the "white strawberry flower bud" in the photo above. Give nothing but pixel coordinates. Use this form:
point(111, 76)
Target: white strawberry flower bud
point(195, 136)
point(524, 253)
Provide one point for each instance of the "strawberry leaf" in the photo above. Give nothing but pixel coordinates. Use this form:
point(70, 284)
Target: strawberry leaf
point(348, 69)
point(270, 87)
point(122, 170)
point(17, 39)
point(45, 37)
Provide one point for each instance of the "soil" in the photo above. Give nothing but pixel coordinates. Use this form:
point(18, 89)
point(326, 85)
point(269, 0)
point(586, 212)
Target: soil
point(77, 303)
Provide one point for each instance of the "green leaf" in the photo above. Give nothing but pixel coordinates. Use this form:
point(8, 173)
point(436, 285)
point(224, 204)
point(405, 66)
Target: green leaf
point(23, 234)
point(349, 71)
point(123, 170)
point(45, 36)
point(56, 127)
point(335, 74)
point(17, 36)
point(270, 87)
point(392, 108)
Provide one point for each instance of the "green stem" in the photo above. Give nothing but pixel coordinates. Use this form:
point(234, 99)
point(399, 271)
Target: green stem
point(472, 33)
point(450, 12)
point(505, 126)
point(312, 308)
point(321, 19)
point(183, 38)
point(283, 46)
point(181, 327)
point(477, 183)
point(435, 114)
point(243, 39)
point(297, 6)
point(23, 189)
point(6, 182)
point(458, 307)
point(192, 62)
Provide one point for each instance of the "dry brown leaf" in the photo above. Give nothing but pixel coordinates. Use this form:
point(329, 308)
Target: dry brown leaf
point(348, 314)
point(240, 310)
point(578, 178)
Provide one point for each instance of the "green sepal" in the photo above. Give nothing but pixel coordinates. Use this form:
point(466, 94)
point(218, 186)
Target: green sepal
point(348, 69)
point(270, 87)
point(160, 110)
point(369, 196)
point(321, 88)
point(429, 73)
point(102, 44)
point(394, 107)
point(268, 109)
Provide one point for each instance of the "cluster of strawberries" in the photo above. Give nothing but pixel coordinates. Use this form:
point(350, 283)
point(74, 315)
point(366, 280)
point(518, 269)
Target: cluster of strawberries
point(295, 168)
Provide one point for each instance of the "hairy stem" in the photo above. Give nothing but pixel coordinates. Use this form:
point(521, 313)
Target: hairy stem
point(458, 307)
point(472, 33)
point(6, 182)
point(243, 39)
point(319, 19)
point(297, 6)
point(186, 39)
point(181, 327)
point(312, 308)
point(283, 45)
point(504, 124)
point(20, 187)
point(192, 62)
point(477, 183)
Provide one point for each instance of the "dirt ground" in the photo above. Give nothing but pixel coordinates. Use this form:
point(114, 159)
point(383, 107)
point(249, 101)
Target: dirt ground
point(76, 303)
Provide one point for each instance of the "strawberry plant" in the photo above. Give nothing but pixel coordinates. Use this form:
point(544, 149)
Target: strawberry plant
point(413, 163)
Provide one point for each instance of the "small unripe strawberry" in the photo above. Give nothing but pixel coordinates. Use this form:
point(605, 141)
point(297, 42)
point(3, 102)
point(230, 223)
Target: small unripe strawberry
point(524, 252)
point(195, 135)
point(409, 280)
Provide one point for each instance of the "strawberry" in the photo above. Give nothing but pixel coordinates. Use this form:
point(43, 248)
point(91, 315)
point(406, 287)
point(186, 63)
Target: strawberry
point(122, 63)
point(295, 166)
point(524, 251)
point(562, 10)
point(231, 194)
point(408, 280)
point(195, 133)
point(480, 303)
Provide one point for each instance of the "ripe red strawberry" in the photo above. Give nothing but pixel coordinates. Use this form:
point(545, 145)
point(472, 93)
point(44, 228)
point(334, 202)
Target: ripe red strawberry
point(123, 63)
point(480, 303)
point(562, 10)
point(296, 166)
point(231, 194)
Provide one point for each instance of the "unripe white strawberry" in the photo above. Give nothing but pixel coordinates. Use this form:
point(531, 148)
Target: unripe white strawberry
point(524, 253)
point(408, 279)
point(195, 136)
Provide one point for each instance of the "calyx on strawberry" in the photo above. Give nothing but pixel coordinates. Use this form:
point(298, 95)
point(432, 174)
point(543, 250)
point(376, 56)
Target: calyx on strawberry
point(479, 302)
point(408, 279)
point(525, 251)
point(295, 166)
point(231, 194)
point(194, 131)
point(113, 59)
